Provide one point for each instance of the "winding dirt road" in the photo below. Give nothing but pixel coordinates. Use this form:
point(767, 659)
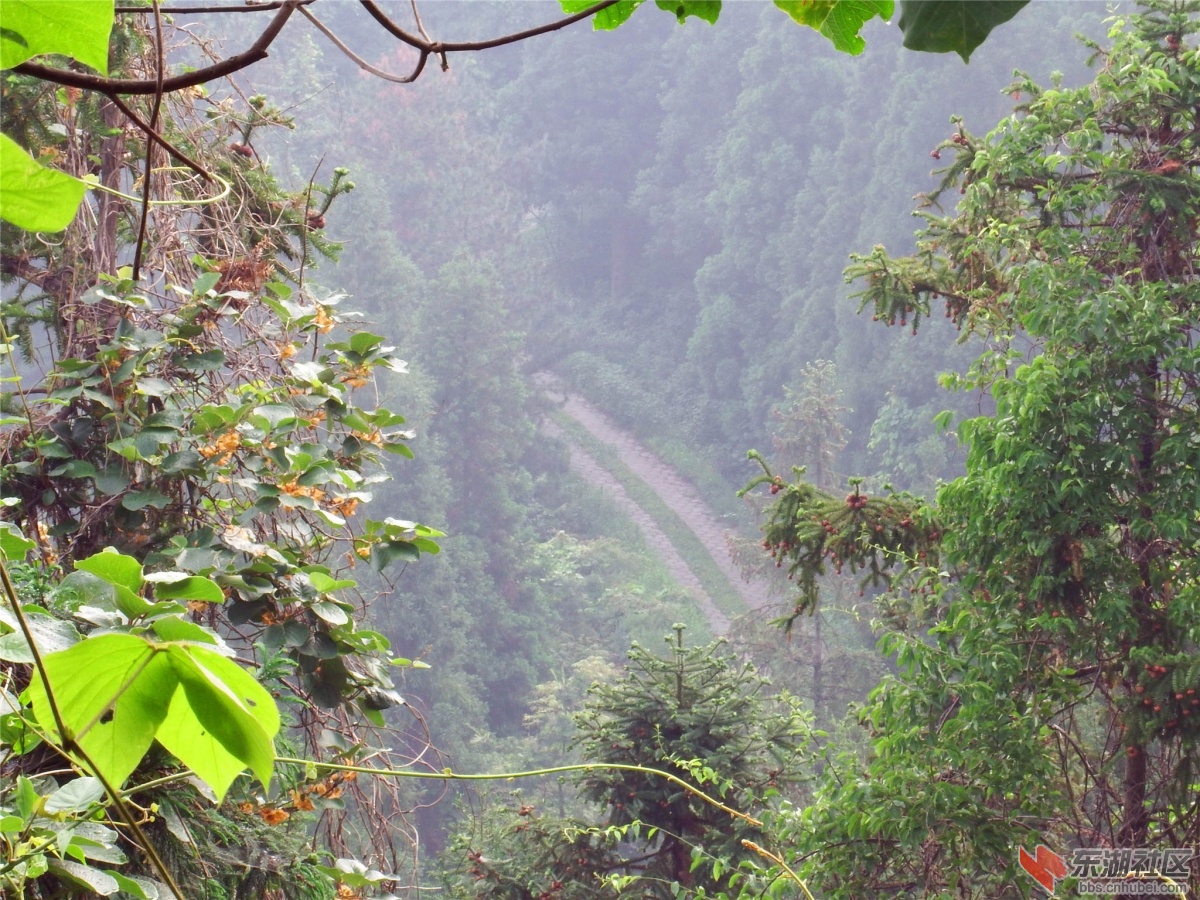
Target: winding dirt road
point(672, 489)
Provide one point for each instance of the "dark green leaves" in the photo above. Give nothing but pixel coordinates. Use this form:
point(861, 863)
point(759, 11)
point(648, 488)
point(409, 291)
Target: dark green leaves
point(838, 20)
point(959, 26)
point(936, 26)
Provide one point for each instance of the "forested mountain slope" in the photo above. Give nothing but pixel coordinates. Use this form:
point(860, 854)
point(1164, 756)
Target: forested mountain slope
point(661, 216)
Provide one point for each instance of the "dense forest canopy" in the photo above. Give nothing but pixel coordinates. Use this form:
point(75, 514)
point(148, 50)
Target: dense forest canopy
point(234, 664)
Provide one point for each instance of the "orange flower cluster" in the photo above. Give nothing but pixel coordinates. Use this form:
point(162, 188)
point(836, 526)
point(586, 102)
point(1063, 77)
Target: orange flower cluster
point(373, 437)
point(346, 506)
point(225, 445)
point(294, 489)
point(272, 815)
point(357, 376)
point(329, 787)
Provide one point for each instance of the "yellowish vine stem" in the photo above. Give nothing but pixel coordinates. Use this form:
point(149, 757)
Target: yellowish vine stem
point(778, 860)
point(448, 775)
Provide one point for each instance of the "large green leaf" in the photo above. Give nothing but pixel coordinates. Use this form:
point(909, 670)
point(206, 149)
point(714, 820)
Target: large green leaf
point(179, 586)
point(839, 20)
point(959, 26)
point(75, 796)
point(116, 686)
point(124, 573)
point(75, 28)
point(95, 880)
point(116, 693)
point(31, 196)
point(221, 722)
point(13, 544)
point(115, 568)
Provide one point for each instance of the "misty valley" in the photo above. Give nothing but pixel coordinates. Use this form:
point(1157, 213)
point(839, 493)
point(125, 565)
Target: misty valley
point(503, 450)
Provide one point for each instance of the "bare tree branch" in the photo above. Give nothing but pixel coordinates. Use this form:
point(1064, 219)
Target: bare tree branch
point(160, 65)
point(153, 135)
point(443, 47)
point(191, 10)
point(362, 63)
point(256, 52)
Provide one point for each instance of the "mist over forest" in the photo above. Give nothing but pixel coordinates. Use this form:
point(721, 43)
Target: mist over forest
point(595, 271)
point(658, 216)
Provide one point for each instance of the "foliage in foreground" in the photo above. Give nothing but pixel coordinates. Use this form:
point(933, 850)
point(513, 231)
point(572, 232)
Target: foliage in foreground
point(183, 458)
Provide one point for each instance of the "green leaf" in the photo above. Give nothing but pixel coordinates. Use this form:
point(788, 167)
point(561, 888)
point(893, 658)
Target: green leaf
point(609, 17)
point(385, 553)
point(112, 480)
point(77, 873)
point(838, 20)
point(276, 414)
point(76, 468)
point(115, 568)
point(209, 361)
point(364, 342)
point(141, 499)
point(943, 26)
point(330, 612)
point(181, 461)
point(205, 283)
point(323, 583)
point(75, 796)
point(173, 628)
point(13, 545)
point(26, 799)
point(354, 873)
point(708, 10)
point(50, 635)
point(98, 849)
point(177, 586)
point(140, 888)
point(222, 722)
point(32, 196)
point(210, 418)
point(154, 387)
point(75, 28)
point(111, 692)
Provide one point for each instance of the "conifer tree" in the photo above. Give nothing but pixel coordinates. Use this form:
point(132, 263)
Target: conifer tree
point(696, 713)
